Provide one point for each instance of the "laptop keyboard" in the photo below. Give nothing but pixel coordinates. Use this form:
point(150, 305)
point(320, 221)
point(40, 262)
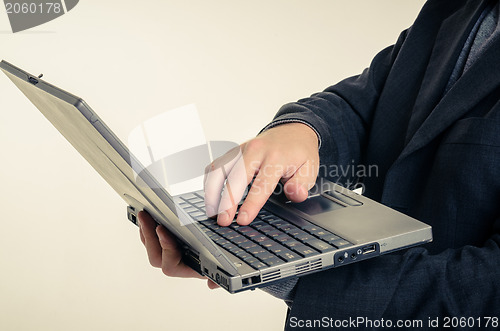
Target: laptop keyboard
point(267, 241)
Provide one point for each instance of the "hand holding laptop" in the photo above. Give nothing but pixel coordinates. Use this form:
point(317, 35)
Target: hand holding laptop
point(163, 251)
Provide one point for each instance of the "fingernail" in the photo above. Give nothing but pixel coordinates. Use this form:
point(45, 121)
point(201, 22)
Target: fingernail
point(242, 218)
point(223, 217)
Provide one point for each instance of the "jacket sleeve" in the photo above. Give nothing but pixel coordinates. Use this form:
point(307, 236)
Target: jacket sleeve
point(341, 114)
point(412, 286)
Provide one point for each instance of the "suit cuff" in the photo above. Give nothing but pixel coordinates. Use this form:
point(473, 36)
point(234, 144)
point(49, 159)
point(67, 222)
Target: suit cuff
point(293, 120)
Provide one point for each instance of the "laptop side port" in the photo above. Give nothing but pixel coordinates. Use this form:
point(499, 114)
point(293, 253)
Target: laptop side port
point(369, 249)
point(192, 260)
point(351, 255)
point(250, 280)
point(131, 215)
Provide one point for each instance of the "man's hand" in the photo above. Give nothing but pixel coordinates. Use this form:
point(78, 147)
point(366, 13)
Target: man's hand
point(288, 152)
point(163, 251)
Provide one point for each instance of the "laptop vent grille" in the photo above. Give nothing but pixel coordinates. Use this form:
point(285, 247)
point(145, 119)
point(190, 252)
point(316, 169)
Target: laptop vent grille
point(291, 271)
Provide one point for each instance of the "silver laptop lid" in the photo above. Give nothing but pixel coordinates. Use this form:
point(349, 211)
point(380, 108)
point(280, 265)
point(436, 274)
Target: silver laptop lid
point(76, 121)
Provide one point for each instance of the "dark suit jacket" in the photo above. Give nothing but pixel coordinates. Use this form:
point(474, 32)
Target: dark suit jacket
point(438, 158)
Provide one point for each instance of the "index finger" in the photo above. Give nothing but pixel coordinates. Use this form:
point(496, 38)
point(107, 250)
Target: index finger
point(262, 187)
point(215, 177)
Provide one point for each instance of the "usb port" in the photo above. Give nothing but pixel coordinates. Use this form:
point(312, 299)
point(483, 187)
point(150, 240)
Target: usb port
point(369, 249)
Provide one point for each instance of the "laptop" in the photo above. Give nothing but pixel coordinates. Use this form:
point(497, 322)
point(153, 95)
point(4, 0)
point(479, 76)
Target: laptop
point(332, 228)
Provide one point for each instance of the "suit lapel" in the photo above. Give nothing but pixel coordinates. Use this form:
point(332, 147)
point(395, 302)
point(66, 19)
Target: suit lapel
point(462, 97)
point(448, 45)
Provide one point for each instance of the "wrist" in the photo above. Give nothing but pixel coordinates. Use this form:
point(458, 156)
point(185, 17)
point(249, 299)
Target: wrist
point(300, 126)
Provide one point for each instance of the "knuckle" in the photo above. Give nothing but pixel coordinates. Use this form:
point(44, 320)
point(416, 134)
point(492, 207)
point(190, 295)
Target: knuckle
point(273, 156)
point(255, 145)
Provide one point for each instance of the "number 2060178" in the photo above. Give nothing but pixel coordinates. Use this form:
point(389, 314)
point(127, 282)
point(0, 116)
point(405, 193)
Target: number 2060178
point(33, 8)
point(470, 322)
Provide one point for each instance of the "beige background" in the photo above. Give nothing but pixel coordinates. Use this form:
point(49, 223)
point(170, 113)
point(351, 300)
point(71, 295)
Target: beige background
point(69, 259)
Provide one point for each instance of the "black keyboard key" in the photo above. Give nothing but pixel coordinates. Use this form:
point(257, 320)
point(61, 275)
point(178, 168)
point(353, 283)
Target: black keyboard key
point(292, 243)
point(237, 251)
point(288, 228)
point(204, 228)
point(303, 236)
point(266, 228)
point(255, 263)
point(257, 250)
point(330, 237)
point(299, 222)
point(320, 233)
point(249, 244)
point(273, 261)
point(264, 213)
point(263, 256)
point(221, 241)
point(320, 245)
point(341, 243)
point(214, 236)
point(277, 248)
point(288, 255)
point(311, 227)
point(271, 219)
point(304, 250)
point(268, 243)
point(222, 231)
point(250, 259)
point(231, 247)
point(295, 232)
point(213, 225)
point(274, 234)
point(279, 222)
point(245, 229)
point(232, 235)
point(252, 234)
point(243, 255)
point(258, 265)
point(257, 224)
point(260, 238)
point(239, 240)
point(283, 238)
point(235, 226)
